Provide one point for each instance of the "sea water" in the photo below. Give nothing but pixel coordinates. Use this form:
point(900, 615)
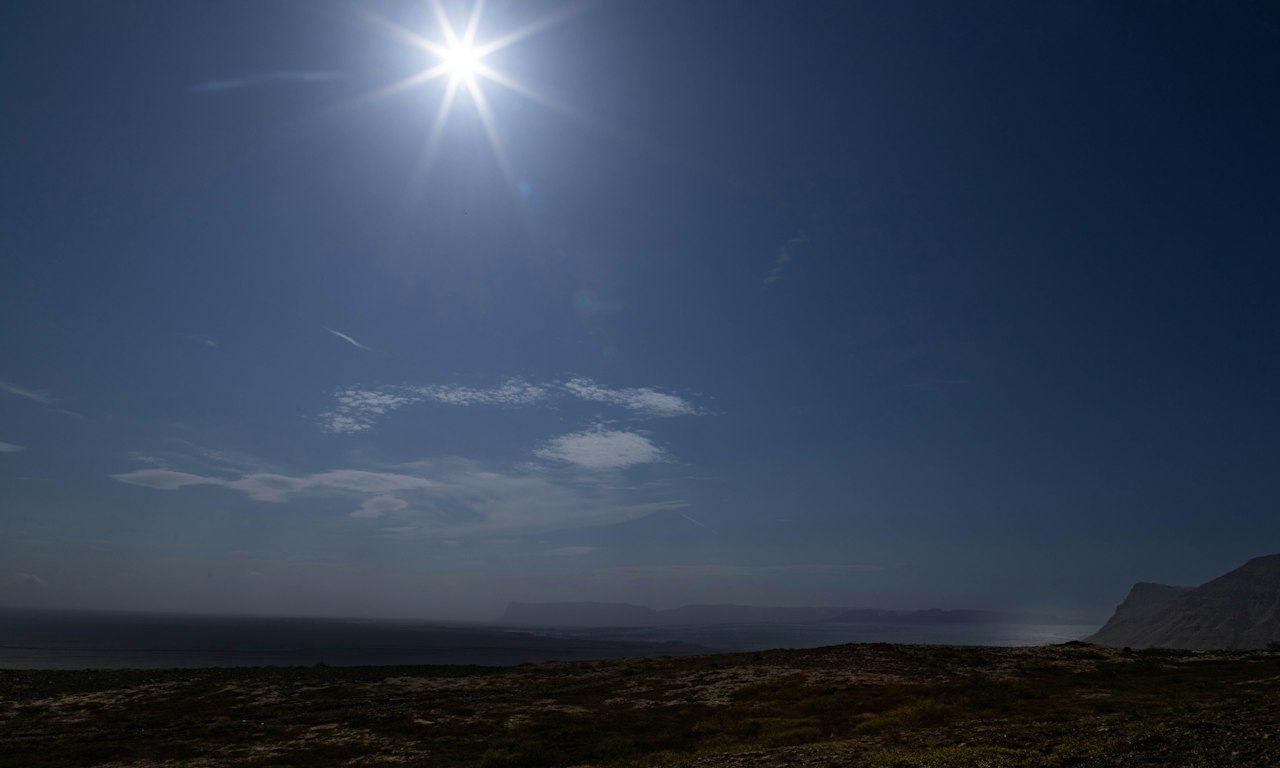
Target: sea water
point(105, 640)
point(754, 637)
point(86, 639)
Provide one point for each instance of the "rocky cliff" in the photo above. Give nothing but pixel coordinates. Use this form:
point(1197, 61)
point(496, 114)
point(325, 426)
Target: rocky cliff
point(1240, 609)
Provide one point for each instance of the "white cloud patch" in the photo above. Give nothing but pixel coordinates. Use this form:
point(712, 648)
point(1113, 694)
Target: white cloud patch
point(641, 400)
point(601, 448)
point(164, 479)
point(11, 448)
point(784, 257)
point(379, 506)
point(445, 499)
point(358, 409)
point(513, 392)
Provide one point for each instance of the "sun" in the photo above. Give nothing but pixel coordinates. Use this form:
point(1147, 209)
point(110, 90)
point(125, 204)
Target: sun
point(457, 56)
point(461, 61)
point(455, 53)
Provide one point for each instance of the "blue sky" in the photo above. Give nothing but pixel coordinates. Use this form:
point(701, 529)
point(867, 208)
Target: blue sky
point(871, 304)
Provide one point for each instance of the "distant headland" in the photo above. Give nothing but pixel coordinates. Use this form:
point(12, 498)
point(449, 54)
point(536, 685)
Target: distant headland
point(1238, 610)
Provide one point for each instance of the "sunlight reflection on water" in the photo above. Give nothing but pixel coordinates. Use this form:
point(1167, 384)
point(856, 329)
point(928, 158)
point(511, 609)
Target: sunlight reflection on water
point(752, 637)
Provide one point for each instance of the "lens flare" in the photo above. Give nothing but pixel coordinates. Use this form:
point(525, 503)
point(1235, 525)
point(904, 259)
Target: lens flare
point(458, 57)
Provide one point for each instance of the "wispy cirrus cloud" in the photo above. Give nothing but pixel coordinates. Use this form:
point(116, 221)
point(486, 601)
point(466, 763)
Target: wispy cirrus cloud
point(202, 339)
point(149, 459)
point(263, 486)
point(30, 580)
point(11, 448)
point(448, 498)
point(264, 78)
point(183, 455)
point(785, 254)
point(568, 551)
point(601, 448)
point(41, 396)
point(358, 409)
point(199, 458)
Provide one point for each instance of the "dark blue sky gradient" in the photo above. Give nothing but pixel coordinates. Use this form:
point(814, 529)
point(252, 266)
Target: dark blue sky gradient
point(888, 304)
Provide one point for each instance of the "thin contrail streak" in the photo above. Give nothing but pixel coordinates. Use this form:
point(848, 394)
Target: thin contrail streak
point(264, 78)
point(348, 339)
point(695, 522)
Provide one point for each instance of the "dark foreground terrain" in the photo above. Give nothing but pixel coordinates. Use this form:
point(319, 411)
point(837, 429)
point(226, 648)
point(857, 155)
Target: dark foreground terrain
point(855, 705)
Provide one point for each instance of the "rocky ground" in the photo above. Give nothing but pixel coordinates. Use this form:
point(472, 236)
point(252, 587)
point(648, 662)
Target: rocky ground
point(855, 705)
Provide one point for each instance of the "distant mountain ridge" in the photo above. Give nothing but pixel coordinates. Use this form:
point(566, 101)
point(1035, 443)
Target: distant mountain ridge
point(629, 615)
point(626, 614)
point(940, 616)
point(1240, 609)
